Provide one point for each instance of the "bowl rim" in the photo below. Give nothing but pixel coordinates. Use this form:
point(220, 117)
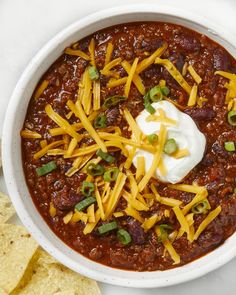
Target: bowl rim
point(116, 276)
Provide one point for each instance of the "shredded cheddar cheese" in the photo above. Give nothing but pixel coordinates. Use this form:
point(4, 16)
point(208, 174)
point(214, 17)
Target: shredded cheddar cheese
point(231, 86)
point(130, 77)
point(181, 154)
point(134, 203)
point(77, 52)
point(140, 171)
point(111, 65)
point(79, 113)
point(72, 146)
point(130, 211)
point(30, 134)
point(145, 63)
point(41, 89)
point(91, 214)
point(115, 194)
point(91, 225)
point(194, 74)
point(96, 95)
point(156, 159)
point(62, 123)
point(86, 95)
point(150, 222)
point(52, 210)
point(193, 96)
point(109, 51)
point(182, 221)
point(114, 83)
point(91, 49)
point(210, 217)
point(118, 214)
point(44, 150)
point(99, 202)
point(174, 73)
point(67, 218)
point(136, 78)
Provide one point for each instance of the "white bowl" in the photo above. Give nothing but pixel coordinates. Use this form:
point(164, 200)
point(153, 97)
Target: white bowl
point(12, 161)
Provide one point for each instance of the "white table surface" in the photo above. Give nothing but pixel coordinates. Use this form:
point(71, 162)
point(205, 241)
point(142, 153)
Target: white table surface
point(26, 25)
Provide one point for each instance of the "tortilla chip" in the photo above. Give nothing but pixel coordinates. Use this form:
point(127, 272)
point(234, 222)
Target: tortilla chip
point(50, 277)
point(6, 208)
point(17, 248)
point(2, 292)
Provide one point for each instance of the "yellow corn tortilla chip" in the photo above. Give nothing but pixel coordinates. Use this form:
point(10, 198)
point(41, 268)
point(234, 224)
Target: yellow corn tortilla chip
point(17, 248)
point(2, 292)
point(50, 277)
point(6, 208)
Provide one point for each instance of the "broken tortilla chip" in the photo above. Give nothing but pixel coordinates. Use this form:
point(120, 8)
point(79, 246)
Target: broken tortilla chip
point(17, 248)
point(50, 277)
point(6, 208)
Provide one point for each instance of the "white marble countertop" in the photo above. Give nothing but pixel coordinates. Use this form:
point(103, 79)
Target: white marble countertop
point(26, 25)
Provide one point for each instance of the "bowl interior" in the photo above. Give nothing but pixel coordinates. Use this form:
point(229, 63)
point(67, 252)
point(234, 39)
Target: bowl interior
point(13, 171)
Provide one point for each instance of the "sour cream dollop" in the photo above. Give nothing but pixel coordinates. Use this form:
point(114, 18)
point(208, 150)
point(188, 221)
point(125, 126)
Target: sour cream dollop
point(186, 135)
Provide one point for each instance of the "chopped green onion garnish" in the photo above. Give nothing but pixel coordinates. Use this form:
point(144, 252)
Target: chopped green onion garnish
point(46, 168)
point(85, 203)
point(87, 188)
point(230, 146)
point(105, 156)
point(164, 228)
point(201, 207)
point(165, 90)
point(100, 121)
point(235, 190)
point(170, 146)
point(152, 138)
point(111, 174)
point(123, 236)
point(148, 105)
point(113, 101)
point(95, 169)
point(232, 117)
point(93, 73)
point(149, 108)
point(155, 94)
point(107, 227)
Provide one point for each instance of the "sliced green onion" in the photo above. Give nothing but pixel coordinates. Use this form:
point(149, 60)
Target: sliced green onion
point(123, 236)
point(152, 138)
point(87, 188)
point(100, 121)
point(46, 168)
point(155, 94)
point(113, 101)
point(147, 104)
point(93, 73)
point(229, 146)
point(232, 117)
point(105, 156)
point(107, 227)
point(201, 207)
point(235, 190)
point(165, 90)
point(85, 203)
point(164, 228)
point(149, 108)
point(170, 146)
point(95, 169)
point(111, 174)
